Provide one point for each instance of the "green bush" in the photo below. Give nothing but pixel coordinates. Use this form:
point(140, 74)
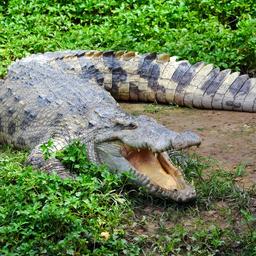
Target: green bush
point(223, 33)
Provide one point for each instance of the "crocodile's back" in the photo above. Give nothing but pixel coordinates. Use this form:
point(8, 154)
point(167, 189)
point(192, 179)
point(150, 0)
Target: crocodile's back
point(35, 98)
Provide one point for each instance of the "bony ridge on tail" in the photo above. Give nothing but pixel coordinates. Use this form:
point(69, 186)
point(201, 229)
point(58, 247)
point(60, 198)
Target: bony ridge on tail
point(65, 96)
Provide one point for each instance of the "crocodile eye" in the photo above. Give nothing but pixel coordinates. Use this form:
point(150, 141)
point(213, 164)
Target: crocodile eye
point(126, 124)
point(133, 126)
point(130, 126)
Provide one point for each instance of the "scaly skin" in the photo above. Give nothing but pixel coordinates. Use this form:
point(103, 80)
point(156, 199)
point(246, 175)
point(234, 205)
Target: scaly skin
point(60, 96)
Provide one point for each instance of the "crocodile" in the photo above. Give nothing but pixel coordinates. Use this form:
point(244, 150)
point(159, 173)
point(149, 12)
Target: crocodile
point(71, 95)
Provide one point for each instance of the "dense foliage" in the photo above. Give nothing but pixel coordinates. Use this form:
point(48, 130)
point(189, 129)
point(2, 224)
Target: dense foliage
point(219, 32)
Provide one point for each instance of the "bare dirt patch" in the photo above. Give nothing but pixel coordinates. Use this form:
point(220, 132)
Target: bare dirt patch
point(229, 137)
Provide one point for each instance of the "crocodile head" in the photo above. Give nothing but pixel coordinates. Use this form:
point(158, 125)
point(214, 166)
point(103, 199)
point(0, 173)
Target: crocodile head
point(140, 145)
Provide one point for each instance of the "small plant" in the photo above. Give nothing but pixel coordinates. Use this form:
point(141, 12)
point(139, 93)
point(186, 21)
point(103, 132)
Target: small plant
point(192, 166)
point(74, 156)
point(153, 108)
point(240, 170)
point(47, 149)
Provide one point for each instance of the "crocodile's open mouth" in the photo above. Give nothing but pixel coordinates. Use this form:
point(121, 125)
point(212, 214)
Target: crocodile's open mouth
point(156, 166)
point(153, 170)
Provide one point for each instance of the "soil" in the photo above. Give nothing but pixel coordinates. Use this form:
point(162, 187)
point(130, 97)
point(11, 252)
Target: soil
point(229, 137)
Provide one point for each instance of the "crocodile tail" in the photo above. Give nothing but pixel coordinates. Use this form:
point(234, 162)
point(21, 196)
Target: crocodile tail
point(163, 79)
point(204, 86)
point(153, 77)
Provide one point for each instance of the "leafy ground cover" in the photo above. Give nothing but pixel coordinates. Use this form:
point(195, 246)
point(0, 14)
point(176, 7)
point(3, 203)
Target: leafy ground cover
point(99, 214)
point(223, 33)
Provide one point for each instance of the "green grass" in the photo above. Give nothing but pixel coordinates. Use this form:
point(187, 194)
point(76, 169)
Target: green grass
point(100, 213)
point(224, 33)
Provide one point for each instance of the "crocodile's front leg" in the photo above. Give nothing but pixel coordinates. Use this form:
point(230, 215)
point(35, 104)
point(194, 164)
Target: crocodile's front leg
point(61, 135)
point(51, 165)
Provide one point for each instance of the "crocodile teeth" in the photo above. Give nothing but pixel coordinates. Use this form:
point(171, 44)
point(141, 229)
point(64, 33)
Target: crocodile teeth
point(155, 154)
point(138, 150)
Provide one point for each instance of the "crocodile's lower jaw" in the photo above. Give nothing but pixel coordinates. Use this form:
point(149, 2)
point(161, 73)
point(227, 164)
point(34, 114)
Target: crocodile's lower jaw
point(156, 166)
